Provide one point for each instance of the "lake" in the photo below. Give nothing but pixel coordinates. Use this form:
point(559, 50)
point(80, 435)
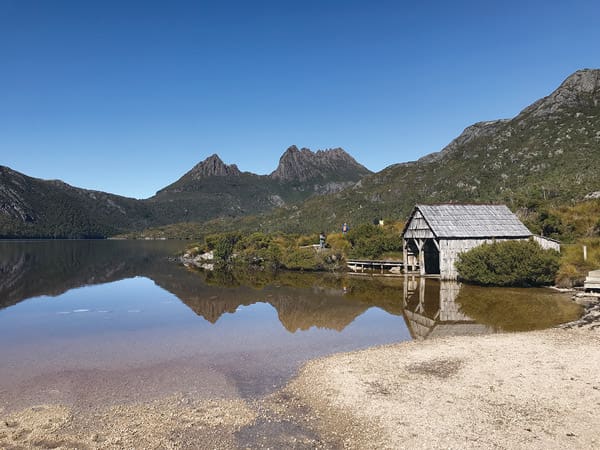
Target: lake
point(90, 323)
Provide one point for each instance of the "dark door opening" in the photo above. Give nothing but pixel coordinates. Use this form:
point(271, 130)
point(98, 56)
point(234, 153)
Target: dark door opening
point(432, 258)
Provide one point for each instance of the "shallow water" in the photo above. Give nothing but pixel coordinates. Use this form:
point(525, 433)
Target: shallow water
point(102, 322)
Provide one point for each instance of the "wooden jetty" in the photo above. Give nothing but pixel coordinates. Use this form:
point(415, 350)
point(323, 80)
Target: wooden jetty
point(396, 267)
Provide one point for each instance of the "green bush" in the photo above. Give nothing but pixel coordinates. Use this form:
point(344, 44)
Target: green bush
point(372, 241)
point(338, 243)
point(509, 263)
point(222, 245)
point(302, 259)
point(259, 249)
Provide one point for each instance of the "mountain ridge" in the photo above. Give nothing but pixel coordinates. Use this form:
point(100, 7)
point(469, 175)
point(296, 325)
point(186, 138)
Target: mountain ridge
point(549, 152)
point(32, 207)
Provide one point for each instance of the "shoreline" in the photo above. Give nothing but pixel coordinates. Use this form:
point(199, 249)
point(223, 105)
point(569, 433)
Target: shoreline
point(538, 389)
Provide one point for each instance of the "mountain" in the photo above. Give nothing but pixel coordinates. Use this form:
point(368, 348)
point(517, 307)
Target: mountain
point(548, 154)
point(214, 189)
point(328, 165)
point(30, 207)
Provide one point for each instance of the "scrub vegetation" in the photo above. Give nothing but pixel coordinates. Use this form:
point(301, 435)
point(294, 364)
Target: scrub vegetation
point(509, 263)
point(301, 252)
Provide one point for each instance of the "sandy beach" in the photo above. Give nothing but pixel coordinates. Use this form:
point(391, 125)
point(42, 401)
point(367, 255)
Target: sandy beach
point(523, 390)
point(520, 390)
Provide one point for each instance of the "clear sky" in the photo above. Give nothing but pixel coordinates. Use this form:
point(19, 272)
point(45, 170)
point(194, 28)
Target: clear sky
point(126, 96)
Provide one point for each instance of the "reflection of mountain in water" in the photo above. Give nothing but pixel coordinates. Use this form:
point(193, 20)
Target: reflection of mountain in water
point(320, 310)
point(31, 269)
point(35, 268)
point(297, 309)
point(430, 307)
point(431, 310)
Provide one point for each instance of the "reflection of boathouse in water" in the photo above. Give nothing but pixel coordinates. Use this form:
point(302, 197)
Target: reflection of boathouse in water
point(435, 235)
point(431, 310)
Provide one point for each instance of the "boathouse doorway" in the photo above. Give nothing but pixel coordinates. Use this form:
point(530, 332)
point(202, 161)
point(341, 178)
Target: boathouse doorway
point(431, 258)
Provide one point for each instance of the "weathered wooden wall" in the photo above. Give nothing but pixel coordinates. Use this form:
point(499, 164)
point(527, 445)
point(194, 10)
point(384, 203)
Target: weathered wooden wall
point(546, 243)
point(418, 228)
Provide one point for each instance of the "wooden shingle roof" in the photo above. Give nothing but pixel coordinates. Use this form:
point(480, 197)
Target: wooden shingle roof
point(472, 221)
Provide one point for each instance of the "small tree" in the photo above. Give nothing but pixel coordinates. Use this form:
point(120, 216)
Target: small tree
point(509, 263)
point(222, 245)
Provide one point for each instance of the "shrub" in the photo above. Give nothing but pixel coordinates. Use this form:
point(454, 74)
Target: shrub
point(338, 243)
point(222, 245)
point(509, 263)
point(371, 241)
point(302, 259)
point(259, 249)
point(308, 239)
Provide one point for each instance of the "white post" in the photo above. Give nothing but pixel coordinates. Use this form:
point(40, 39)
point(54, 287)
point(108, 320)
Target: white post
point(585, 252)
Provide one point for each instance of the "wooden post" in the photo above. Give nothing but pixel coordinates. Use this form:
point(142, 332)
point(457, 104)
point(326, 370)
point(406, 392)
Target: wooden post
point(421, 307)
point(404, 255)
point(421, 246)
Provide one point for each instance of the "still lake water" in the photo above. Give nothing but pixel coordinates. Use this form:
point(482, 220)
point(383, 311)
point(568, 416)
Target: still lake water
point(99, 322)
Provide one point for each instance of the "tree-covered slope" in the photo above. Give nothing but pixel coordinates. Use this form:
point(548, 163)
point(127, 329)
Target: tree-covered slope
point(30, 207)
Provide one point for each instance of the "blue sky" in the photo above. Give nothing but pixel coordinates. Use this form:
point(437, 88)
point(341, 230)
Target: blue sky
point(125, 97)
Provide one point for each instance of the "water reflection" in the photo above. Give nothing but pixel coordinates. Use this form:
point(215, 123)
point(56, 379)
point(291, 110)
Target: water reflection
point(302, 301)
point(430, 308)
point(125, 323)
point(435, 308)
point(129, 322)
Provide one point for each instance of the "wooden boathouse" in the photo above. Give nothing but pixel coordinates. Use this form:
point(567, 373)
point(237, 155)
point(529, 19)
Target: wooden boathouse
point(435, 235)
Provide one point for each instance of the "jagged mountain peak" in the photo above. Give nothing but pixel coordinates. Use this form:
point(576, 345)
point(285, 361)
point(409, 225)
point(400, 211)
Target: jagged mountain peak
point(213, 166)
point(303, 164)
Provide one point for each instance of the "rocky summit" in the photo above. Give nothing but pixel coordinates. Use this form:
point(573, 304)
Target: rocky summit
point(580, 90)
point(213, 166)
point(304, 165)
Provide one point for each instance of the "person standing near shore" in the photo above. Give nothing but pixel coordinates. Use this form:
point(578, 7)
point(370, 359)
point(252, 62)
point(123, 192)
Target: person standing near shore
point(345, 228)
point(322, 240)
